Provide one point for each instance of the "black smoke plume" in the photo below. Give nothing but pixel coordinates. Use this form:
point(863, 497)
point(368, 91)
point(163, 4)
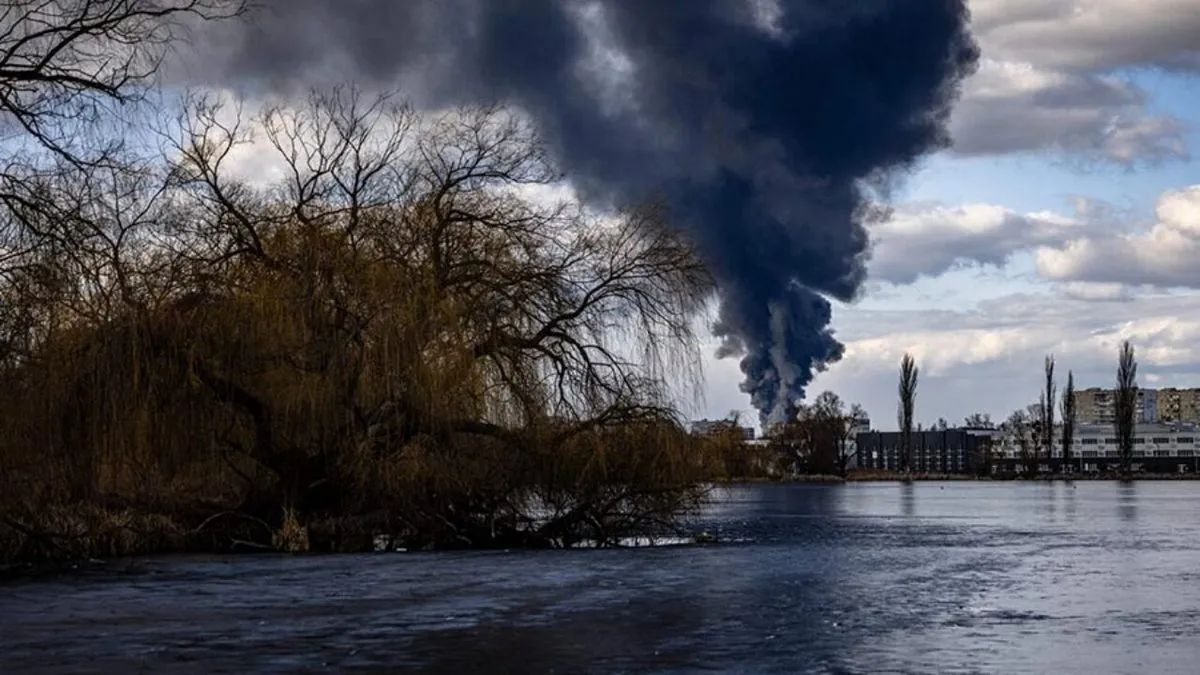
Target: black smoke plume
point(763, 122)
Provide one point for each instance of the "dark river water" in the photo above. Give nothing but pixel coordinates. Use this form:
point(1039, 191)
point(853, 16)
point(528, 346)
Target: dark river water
point(1093, 577)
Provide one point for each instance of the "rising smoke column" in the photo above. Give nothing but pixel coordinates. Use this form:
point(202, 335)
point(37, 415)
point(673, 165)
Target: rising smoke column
point(763, 123)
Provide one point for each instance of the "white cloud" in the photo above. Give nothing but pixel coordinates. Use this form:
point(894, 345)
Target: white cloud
point(1050, 78)
point(930, 239)
point(1018, 107)
point(1128, 140)
point(1164, 254)
point(1091, 257)
point(940, 351)
point(1091, 35)
point(1180, 209)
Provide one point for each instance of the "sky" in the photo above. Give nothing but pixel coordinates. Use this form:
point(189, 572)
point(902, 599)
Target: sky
point(1064, 219)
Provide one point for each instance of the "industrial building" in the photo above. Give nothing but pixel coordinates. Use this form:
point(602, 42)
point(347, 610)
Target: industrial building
point(948, 451)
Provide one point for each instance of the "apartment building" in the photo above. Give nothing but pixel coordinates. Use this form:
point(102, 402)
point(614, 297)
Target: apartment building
point(1179, 405)
point(1098, 406)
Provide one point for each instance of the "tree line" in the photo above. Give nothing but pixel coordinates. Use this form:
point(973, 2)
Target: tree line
point(1037, 429)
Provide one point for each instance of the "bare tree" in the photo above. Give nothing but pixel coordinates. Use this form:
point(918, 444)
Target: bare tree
point(1067, 407)
point(831, 421)
point(908, 395)
point(819, 439)
point(738, 459)
point(1049, 397)
point(836, 427)
point(1037, 431)
point(978, 421)
point(71, 74)
point(1022, 430)
point(64, 64)
point(1125, 405)
point(789, 442)
point(854, 417)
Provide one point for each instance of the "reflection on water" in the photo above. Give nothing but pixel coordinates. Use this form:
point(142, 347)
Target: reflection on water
point(908, 498)
point(924, 577)
point(1069, 490)
point(1127, 500)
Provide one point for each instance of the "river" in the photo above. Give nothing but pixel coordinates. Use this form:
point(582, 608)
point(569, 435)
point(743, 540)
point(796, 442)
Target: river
point(1014, 577)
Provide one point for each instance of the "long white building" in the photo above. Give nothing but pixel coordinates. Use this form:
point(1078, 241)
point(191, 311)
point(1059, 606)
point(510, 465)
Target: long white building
point(1172, 447)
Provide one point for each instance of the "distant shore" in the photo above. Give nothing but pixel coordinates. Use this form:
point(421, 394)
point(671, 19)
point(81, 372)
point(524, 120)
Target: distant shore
point(887, 477)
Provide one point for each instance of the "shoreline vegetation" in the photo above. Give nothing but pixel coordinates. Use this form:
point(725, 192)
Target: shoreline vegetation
point(85, 536)
point(404, 327)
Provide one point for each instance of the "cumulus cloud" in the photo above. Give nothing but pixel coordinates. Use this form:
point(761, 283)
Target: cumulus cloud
point(1017, 107)
point(1163, 254)
point(1090, 253)
point(1091, 35)
point(930, 239)
point(1051, 78)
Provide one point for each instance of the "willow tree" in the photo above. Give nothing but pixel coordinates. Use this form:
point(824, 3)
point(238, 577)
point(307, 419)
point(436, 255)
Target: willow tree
point(907, 390)
point(1125, 406)
point(399, 326)
point(402, 327)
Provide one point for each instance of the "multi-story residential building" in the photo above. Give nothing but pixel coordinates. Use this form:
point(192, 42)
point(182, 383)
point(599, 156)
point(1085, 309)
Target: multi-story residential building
point(1157, 447)
point(1098, 406)
point(1179, 405)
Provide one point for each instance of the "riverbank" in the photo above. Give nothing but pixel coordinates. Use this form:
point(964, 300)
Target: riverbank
point(84, 536)
point(65, 536)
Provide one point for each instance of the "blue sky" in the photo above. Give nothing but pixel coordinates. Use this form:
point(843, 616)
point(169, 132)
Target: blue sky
point(1061, 222)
